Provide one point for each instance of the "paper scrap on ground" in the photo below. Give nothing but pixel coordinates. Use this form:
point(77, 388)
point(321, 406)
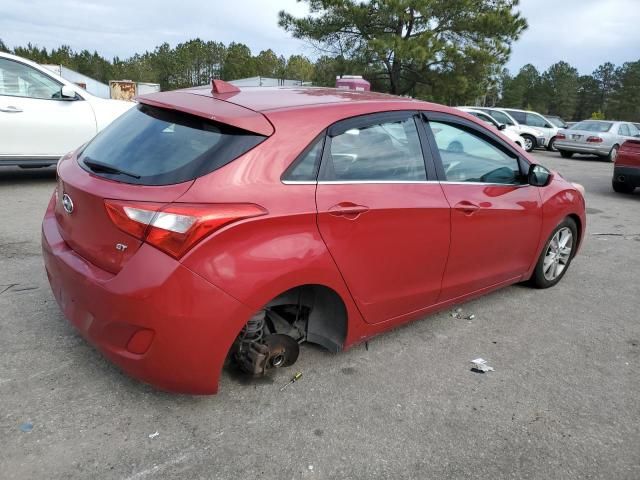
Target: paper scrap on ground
point(480, 365)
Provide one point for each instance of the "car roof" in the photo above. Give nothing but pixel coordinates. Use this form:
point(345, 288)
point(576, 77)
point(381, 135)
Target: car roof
point(262, 99)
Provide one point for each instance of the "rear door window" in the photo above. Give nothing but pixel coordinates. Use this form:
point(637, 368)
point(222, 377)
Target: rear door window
point(624, 130)
point(155, 146)
point(386, 151)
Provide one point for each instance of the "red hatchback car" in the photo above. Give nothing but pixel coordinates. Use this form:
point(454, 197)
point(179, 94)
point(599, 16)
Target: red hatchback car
point(214, 223)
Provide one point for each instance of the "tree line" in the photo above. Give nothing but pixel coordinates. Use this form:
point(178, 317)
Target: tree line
point(611, 92)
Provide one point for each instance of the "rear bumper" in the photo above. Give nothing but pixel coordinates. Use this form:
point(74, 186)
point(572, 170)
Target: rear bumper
point(595, 149)
point(627, 175)
point(192, 322)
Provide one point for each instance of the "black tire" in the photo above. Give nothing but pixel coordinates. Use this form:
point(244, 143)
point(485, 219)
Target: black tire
point(529, 142)
point(552, 145)
point(622, 187)
point(613, 154)
point(538, 279)
point(565, 154)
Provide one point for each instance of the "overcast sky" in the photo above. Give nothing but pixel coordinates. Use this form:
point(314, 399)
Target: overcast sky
point(585, 33)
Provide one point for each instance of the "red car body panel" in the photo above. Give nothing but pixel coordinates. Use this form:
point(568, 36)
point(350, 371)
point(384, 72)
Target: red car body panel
point(496, 242)
point(629, 154)
point(413, 251)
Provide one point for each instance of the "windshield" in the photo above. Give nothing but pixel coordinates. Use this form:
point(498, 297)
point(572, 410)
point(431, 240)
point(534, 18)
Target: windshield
point(501, 117)
point(593, 126)
point(557, 121)
point(154, 146)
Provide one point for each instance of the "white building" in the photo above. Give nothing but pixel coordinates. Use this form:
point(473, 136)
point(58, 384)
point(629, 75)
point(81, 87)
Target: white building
point(91, 85)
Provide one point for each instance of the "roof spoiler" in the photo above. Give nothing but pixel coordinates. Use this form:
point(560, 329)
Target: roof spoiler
point(211, 108)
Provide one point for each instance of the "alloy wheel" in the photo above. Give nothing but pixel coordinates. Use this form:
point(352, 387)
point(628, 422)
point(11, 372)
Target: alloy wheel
point(528, 144)
point(558, 254)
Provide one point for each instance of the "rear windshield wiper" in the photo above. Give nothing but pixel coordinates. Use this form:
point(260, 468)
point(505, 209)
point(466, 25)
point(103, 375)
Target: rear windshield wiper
point(98, 166)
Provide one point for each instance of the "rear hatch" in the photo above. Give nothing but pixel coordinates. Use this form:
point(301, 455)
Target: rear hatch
point(150, 156)
point(629, 154)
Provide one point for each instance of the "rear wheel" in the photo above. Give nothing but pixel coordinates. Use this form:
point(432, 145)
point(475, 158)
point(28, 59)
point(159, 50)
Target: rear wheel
point(556, 255)
point(529, 142)
point(565, 154)
point(613, 154)
point(622, 187)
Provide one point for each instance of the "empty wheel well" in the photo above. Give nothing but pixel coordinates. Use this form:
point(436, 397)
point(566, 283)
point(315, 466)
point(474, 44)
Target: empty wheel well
point(576, 219)
point(324, 311)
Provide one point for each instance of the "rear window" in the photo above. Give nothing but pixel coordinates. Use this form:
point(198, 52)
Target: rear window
point(154, 146)
point(593, 126)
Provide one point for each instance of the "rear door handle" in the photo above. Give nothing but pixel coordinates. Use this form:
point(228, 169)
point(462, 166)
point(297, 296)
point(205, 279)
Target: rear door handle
point(347, 209)
point(10, 109)
point(466, 207)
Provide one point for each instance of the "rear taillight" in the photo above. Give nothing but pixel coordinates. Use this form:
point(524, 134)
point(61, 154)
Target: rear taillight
point(175, 228)
point(561, 136)
point(594, 140)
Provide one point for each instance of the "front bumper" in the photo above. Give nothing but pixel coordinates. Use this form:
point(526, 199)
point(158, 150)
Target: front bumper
point(188, 323)
point(627, 175)
point(541, 142)
point(595, 149)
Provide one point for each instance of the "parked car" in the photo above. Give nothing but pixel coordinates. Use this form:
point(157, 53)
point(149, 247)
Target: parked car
point(196, 228)
point(43, 116)
point(533, 138)
point(537, 121)
point(595, 137)
point(626, 171)
point(486, 118)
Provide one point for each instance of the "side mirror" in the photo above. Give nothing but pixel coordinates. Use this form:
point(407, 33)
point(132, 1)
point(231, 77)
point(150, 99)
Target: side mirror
point(67, 93)
point(501, 126)
point(538, 176)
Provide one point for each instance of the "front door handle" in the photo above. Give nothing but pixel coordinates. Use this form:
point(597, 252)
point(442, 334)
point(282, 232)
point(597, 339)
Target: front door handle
point(466, 207)
point(10, 109)
point(347, 209)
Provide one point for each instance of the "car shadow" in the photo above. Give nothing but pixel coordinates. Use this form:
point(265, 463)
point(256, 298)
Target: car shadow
point(16, 175)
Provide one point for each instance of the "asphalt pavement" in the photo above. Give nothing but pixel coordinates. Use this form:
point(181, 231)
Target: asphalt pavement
point(562, 403)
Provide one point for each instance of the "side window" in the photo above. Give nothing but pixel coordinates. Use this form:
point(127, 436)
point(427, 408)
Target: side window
point(624, 130)
point(387, 151)
point(535, 120)
point(519, 116)
point(305, 168)
point(19, 80)
point(467, 157)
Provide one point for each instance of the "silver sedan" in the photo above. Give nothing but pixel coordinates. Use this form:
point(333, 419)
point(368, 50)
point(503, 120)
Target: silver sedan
point(595, 137)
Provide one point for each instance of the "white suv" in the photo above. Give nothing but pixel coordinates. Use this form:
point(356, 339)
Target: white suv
point(533, 137)
point(486, 118)
point(43, 116)
point(537, 121)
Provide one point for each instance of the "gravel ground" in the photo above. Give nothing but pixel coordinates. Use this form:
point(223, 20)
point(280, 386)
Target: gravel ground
point(561, 403)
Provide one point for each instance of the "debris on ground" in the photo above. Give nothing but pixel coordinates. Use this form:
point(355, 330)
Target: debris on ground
point(294, 379)
point(457, 313)
point(479, 365)
point(154, 435)
point(26, 427)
